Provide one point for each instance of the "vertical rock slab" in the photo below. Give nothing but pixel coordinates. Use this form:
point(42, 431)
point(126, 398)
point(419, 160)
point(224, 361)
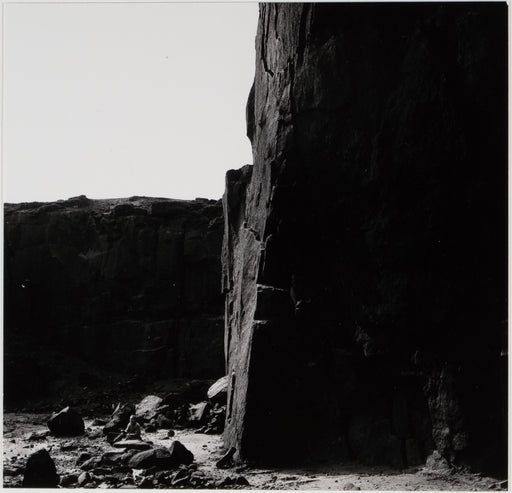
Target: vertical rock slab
point(365, 252)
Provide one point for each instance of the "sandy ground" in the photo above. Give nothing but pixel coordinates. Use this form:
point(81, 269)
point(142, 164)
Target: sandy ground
point(207, 449)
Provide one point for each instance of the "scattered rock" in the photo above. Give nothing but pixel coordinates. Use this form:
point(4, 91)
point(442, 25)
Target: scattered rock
point(229, 481)
point(91, 463)
point(120, 418)
point(146, 483)
point(180, 477)
point(13, 471)
point(38, 435)
point(83, 457)
point(94, 434)
point(198, 413)
point(350, 487)
point(40, 471)
point(66, 422)
point(68, 480)
point(437, 462)
point(83, 479)
point(171, 433)
point(242, 481)
point(68, 446)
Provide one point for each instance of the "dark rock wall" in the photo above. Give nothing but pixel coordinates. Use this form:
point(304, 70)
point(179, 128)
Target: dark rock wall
point(365, 252)
point(128, 285)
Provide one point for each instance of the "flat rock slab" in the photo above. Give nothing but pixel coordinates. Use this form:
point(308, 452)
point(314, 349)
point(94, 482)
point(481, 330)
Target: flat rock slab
point(132, 444)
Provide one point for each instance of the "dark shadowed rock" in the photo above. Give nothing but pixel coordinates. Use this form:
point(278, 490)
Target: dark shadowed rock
point(180, 454)
point(163, 422)
point(120, 418)
point(40, 471)
point(117, 458)
point(242, 481)
point(129, 282)
point(232, 481)
point(66, 422)
point(68, 480)
point(365, 251)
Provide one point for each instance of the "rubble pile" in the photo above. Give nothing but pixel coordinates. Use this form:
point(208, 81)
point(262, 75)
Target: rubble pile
point(105, 457)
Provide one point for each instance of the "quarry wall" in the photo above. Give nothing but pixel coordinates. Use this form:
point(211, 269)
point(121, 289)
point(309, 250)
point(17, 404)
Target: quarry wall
point(365, 252)
point(128, 285)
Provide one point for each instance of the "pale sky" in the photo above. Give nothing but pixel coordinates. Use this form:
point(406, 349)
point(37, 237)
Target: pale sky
point(115, 100)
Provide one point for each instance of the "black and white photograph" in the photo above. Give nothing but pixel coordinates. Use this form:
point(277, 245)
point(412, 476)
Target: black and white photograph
point(255, 246)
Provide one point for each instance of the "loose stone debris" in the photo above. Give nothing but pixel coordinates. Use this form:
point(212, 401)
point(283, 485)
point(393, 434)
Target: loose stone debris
point(188, 453)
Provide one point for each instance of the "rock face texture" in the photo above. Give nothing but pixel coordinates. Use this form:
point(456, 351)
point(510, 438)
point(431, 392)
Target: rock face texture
point(129, 285)
point(365, 252)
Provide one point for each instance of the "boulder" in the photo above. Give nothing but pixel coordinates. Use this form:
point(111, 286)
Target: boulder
point(40, 471)
point(218, 392)
point(120, 418)
point(159, 458)
point(198, 413)
point(180, 454)
point(68, 480)
point(117, 458)
point(66, 422)
point(147, 407)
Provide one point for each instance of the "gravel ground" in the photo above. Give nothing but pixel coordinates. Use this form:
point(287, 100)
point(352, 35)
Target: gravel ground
point(207, 449)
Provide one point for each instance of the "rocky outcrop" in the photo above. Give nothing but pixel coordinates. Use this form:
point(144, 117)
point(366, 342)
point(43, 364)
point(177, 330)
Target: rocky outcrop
point(128, 285)
point(365, 252)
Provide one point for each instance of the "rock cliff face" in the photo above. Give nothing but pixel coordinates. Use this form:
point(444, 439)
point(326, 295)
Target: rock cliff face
point(128, 285)
point(365, 252)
